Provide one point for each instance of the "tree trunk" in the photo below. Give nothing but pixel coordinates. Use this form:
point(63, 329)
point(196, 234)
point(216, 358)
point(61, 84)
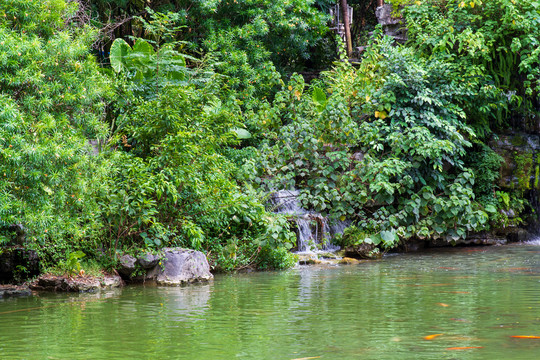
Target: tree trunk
point(348, 40)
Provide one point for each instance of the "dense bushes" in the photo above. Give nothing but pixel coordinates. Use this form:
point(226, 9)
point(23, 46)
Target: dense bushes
point(53, 98)
point(163, 180)
point(498, 38)
point(386, 149)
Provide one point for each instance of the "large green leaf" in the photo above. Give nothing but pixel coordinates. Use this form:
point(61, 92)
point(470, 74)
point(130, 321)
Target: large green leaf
point(388, 237)
point(142, 56)
point(319, 98)
point(119, 53)
point(242, 134)
point(142, 46)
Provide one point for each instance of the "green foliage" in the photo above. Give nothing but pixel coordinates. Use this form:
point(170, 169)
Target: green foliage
point(277, 259)
point(172, 184)
point(72, 264)
point(355, 235)
point(499, 38)
point(387, 151)
point(53, 98)
point(203, 126)
point(485, 163)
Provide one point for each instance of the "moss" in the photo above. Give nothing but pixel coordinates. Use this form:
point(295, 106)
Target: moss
point(536, 174)
point(523, 171)
point(518, 140)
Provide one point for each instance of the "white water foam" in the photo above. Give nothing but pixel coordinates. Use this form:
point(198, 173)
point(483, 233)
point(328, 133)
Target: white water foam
point(533, 242)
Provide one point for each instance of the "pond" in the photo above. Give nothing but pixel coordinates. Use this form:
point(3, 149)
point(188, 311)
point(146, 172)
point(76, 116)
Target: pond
point(454, 303)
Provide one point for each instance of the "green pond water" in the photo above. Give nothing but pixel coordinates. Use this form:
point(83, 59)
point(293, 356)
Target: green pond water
point(475, 297)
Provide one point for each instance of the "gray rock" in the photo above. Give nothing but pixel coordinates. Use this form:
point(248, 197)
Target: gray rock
point(148, 261)
point(90, 285)
point(14, 291)
point(182, 266)
point(384, 15)
point(392, 26)
point(76, 284)
point(111, 282)
point(127, 265)
point(362, 251)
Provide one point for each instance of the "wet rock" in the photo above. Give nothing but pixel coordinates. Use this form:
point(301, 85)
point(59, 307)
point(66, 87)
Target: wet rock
point(515, 234)
point(308, 259)
point(56, 283)
point(519, 167)
point(480, 238)
point(182, 266)
point(362, 251)
point(148, 261)
point(412, 245)
point(14, 291)
point(313, 261)
point(111, 282)
point(127, 265)
point(349, 261)
point(328, 255)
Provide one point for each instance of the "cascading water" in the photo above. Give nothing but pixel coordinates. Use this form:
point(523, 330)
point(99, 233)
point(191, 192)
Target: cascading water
point(313, 229)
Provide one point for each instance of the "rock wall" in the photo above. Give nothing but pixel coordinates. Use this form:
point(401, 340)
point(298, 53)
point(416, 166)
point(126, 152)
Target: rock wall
point(392, 26)
point(520, 171)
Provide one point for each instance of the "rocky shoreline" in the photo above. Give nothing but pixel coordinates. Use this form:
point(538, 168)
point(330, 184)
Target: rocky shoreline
point(171, 267)
point(179, 267)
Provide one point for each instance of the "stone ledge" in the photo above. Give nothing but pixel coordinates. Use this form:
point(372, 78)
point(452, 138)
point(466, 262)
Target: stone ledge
point(56, 283)
point(14, 291)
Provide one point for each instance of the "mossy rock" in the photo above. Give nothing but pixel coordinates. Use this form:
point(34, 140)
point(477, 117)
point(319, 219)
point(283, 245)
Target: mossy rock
point(362, 251)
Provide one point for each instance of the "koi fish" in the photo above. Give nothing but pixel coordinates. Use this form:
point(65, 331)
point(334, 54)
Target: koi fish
point(443, 304)
point(525, 337)
point(431, 337)
point(464, 347)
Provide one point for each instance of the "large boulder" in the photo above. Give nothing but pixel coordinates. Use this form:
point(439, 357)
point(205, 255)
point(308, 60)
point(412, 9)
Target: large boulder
point(127, 265)
point(182, 266)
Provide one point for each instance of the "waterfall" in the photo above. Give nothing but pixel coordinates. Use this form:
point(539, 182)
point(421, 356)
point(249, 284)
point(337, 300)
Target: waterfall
point(313, 229)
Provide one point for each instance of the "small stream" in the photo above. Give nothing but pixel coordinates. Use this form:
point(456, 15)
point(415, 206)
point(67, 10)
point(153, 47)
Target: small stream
point(476, 298)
